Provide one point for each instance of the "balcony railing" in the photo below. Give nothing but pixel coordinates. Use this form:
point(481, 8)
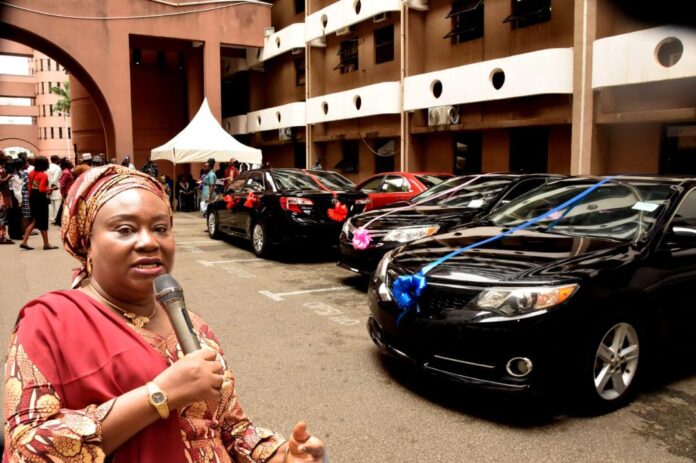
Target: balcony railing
point(283, 41)
point(278, 117)
point(371, 100)
point(540, 72)
point(660, 53)
point(343, 14)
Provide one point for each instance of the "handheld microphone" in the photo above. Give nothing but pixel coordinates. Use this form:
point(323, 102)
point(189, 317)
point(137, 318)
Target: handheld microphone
point(171, 296)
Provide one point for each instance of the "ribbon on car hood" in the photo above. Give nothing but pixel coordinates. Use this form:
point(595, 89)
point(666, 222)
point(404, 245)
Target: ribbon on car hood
point(406, 289)
point(361, 236)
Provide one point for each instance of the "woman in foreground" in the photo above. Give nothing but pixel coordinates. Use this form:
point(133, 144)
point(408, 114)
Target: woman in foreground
point(95, 373)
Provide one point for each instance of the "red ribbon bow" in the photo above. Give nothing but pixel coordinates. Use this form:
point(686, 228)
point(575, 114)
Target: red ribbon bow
point(251, 200)
point(229, 201)
point(339, 212)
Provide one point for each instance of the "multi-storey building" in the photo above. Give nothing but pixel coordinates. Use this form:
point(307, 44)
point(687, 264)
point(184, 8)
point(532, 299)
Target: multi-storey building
point(466, 86)
point(28, 118)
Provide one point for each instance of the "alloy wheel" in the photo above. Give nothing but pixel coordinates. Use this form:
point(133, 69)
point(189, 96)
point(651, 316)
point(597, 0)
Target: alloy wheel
point(616, 361)
point(212, 224)
point(258, 238)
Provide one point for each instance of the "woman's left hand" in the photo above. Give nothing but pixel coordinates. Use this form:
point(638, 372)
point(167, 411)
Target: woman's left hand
point(303, 446)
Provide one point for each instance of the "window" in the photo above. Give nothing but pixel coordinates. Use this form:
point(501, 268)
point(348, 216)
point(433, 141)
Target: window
point(467, 153)
point(44, 133)
point(467, 20)
point(384, 155)
point(384, 44)
point(350, 162)
point(41, 64)
point(395, 184)
point(60, 132)
point(52, 133)
point(521, 188)
point(50, 107)
point(43, 89)
point(299, 6)
point(299, 71)
point(373, 185)
point(48, 63)
point(255, 183)
point(529, 147)
point(678, 151)
point(687, 209)
point(348, 54)
point(527, 12)
point(69, 133)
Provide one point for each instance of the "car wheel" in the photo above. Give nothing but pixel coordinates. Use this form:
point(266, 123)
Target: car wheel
point(213, 226)
point(259, 239)
point(614, 357)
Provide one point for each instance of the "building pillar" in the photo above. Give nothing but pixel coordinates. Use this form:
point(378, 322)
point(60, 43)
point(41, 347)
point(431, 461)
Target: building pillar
point(584, 130)
point(211, 78)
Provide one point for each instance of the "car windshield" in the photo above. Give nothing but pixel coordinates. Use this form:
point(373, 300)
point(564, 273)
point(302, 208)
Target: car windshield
point(620, 209)
point(332, 180)
point(478, 192)
point(430, 181)
point(294, 180)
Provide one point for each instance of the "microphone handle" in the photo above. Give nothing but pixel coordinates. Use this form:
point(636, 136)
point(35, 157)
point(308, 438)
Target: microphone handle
point(183, 327)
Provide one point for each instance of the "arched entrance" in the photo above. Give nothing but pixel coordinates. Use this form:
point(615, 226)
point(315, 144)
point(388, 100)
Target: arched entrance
point(7, 144)
point(78, 73)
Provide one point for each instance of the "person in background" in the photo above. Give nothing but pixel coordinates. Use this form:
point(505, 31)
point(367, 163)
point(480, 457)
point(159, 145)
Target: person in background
point(86, 159)
point(317, 165)
point(150, 168)
point(97, 161)
point(127, 162)
point(66, 180)
point(14, 214)
point(23, 172)
point(185, 192)
point(135, 398)
point(165, 180)
point(5, 198)
point(208, 187)
point(39, 191)
point(53, 174)
point(231, 172)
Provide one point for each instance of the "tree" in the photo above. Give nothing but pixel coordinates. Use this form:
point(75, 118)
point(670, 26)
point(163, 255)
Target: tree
point(63, 104)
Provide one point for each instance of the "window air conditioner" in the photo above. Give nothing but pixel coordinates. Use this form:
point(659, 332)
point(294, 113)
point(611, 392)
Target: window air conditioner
point(345, 31)
point(381, 17)
point(285, 133)
point(443, 115)
point(298, 51)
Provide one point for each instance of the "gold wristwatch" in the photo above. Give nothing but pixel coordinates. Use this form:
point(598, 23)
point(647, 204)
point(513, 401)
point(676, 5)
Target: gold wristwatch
point(158, 399)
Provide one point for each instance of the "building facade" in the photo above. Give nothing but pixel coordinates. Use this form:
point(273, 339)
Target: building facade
point(28, 118)
point(465, 86)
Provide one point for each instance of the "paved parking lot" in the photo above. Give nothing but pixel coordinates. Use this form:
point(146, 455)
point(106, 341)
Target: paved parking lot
point(294, 330)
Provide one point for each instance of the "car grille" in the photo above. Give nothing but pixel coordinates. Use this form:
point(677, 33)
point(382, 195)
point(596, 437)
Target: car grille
point(437, 299)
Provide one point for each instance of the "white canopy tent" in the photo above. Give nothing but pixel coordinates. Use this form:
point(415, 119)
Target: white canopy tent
point(202, 139)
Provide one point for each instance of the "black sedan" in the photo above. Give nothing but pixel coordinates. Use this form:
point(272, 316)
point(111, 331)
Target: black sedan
point(572, 303)
point(469, 197)
point(274, 206)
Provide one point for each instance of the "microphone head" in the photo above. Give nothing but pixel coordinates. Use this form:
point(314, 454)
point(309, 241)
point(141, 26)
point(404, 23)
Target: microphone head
point(167, 289)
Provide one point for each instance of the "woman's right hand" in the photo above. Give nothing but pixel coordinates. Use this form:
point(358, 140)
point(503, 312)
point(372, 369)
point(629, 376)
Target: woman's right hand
point(196, 376)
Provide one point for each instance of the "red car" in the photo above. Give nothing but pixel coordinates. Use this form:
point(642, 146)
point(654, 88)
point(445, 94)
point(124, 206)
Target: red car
point(391, 187)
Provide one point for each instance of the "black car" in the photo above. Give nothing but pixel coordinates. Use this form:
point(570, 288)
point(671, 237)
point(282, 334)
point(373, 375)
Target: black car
point(574, 303)
point(273, 206)
point(481, 195)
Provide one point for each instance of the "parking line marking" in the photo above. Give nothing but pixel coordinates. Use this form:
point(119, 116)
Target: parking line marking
point(281, 296)
point(210, 263)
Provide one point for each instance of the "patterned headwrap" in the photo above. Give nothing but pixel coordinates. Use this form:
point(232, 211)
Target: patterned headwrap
point(87, 195)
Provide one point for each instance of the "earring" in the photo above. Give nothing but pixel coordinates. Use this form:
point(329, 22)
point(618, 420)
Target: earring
point(89, 265)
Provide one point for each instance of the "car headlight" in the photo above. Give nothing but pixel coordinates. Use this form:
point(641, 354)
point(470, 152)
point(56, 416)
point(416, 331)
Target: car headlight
point(404, 235)
point(381, 271)
point(511, 302)
point(346, 227)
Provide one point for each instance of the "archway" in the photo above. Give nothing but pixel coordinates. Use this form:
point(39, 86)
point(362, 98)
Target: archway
point(31, 39)
point(19, 143)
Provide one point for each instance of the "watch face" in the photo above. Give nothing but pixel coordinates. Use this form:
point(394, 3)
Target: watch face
point(158, 398)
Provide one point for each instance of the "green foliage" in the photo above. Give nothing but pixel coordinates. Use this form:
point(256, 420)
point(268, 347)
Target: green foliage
point(62, 105)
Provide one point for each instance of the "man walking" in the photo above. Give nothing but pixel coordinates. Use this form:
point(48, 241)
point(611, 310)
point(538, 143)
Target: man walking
point(53, 174)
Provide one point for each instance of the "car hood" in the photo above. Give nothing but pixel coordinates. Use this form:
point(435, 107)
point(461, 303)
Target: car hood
point(526, 256)
point(414, 216)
